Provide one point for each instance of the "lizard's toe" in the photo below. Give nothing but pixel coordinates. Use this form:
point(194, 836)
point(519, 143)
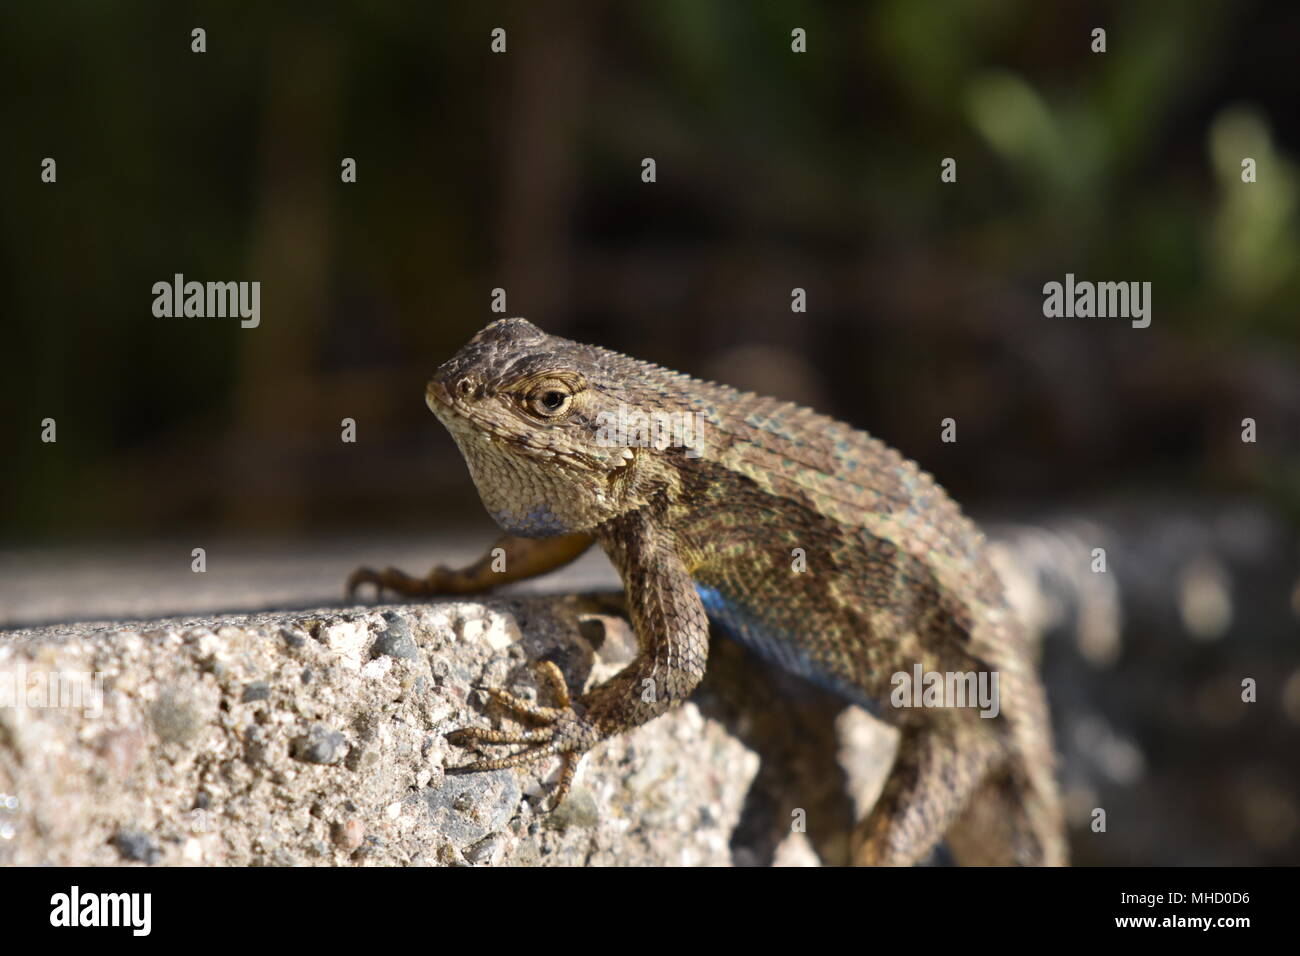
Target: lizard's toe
point(566, 735)
point(469, 735)
point(524, 708)
point(363, 576)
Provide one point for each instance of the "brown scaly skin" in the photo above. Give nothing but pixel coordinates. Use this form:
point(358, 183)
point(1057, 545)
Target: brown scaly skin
point(895, 575)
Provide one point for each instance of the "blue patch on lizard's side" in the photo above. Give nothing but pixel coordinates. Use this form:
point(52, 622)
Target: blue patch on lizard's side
point(779, 647)
point(540, 522)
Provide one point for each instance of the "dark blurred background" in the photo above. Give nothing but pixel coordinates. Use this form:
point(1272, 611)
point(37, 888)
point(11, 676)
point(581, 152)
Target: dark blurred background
point(775, 170)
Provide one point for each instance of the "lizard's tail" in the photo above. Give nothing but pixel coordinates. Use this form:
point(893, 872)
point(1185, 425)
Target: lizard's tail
point(1015, 816)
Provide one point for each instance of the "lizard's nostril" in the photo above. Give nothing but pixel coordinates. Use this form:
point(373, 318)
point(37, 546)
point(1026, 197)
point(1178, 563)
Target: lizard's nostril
point(464, 387)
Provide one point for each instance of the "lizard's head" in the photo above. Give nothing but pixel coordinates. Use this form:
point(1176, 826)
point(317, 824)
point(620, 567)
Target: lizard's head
point(531, 414)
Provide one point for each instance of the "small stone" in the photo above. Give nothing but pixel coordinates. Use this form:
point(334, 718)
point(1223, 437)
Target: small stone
point(488, 850)
point(192, 851)
point(255, 746)
point(348, 835)
point(214, 667)
point(468, 809)
point(361, 759)
point(448, 855)
point(175, 721)
point(577, 810)
point(318, 745)
point(377, 668)
point(348, 640)
point(496, 630)
point(137, 845)
point(395, 640)
point(257, 690)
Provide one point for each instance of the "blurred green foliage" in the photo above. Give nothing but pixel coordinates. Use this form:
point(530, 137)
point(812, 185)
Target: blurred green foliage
point(776, 170)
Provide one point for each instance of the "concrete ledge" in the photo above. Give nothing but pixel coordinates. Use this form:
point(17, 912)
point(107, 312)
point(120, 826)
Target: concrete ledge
point(317, 738)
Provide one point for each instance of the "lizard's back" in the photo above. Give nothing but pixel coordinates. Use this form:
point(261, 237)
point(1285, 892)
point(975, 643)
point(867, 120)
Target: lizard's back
point(830, 554)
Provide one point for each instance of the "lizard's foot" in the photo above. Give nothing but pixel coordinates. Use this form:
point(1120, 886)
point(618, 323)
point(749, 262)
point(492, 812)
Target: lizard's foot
point(565, 734)
point(510, 559)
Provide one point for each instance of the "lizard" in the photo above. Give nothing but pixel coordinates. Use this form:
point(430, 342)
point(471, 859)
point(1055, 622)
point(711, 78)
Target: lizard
point(887, 573)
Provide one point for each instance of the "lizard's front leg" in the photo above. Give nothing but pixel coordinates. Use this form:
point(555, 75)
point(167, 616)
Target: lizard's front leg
point(510, 559)
point(673, 637)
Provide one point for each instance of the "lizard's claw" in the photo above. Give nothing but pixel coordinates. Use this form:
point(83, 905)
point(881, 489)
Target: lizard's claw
point(395, 580)
point(565, 734)
point(365, 576)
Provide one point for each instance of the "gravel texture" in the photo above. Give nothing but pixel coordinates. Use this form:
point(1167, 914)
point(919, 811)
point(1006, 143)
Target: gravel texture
point(318, 737)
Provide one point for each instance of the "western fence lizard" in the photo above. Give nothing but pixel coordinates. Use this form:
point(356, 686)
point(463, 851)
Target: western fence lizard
point(818, 546)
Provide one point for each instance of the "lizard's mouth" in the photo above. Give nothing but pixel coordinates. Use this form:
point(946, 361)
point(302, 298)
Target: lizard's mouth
point(457, 417)
point(438, 398)
point(435, 395)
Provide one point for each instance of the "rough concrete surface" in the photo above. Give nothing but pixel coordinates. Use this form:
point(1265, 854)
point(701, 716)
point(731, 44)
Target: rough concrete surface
point(317, 738)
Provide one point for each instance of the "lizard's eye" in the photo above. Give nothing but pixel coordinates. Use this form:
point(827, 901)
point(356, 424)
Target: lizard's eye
point(549, 401)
